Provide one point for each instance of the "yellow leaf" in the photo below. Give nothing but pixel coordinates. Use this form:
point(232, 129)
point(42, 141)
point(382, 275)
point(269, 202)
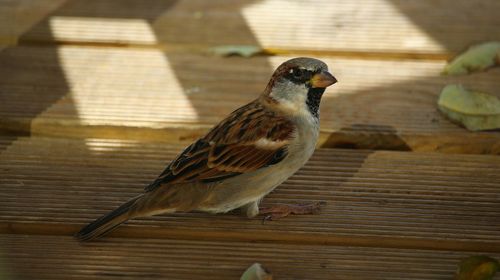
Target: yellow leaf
point(474, 110)
point(477, 268)
point(476, 58)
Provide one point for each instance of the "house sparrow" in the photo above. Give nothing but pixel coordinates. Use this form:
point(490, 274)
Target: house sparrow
point(241, 159)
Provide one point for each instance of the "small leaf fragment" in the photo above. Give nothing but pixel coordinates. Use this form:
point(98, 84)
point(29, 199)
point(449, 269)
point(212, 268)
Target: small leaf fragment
point(256, 272)
point(474, 110)
point(240, 50)
point(477, 268)
point(476, 58)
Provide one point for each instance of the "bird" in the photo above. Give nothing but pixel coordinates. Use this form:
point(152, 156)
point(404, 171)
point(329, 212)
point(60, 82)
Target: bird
point(241, 159)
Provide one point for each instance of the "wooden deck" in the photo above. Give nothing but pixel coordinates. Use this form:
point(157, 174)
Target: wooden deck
point(97, 96)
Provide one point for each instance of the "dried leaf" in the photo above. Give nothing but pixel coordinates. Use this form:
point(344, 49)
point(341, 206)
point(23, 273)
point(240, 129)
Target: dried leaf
point(241, 50)
point(474, 110)
point(477, 268)
point(256, 272)
point(476, 58)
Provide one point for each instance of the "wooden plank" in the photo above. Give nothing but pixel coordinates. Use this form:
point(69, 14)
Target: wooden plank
point(376, 26)
point(388, 199)
point(148, 94)
point(55, 257)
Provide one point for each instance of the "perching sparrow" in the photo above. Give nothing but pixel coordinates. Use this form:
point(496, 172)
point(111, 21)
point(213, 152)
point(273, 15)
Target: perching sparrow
point(241, 159)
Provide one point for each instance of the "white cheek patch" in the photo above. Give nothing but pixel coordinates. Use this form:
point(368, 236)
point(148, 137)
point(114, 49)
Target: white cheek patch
point(291, 98)
point(287, 105)
point(294, 107)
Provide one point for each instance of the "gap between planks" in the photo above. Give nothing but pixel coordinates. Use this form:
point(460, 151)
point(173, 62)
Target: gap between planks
point(206, 50)
point(306, 238)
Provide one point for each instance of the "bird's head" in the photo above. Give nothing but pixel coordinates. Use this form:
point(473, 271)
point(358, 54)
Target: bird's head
point(297, 85)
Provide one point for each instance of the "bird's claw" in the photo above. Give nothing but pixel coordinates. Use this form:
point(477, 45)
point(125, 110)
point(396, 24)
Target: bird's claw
point(282, 210)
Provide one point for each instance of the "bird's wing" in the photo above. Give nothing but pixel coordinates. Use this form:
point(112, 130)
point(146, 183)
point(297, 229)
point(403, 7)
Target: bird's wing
point(251, 138)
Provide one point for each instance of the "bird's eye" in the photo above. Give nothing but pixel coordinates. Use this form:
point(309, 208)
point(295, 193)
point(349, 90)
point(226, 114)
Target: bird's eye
point(297, 73)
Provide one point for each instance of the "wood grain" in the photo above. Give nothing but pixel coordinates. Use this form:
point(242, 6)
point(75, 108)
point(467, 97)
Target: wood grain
point(390, 199)
point(365, 26)
point(140, 71)
point(20, 16)
point(147, 94)
point(34, 257)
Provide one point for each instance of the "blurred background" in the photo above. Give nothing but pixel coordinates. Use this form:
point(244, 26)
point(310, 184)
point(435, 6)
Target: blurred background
point(147, 70)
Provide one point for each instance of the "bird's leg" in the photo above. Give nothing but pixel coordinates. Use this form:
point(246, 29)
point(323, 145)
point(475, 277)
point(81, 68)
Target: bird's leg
point(278, 211)
point(251, 209)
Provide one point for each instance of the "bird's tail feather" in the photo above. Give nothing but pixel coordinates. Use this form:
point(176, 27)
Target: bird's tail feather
point(107, 222)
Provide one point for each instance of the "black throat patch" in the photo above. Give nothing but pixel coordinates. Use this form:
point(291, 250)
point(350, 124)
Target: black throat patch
point(313, 99)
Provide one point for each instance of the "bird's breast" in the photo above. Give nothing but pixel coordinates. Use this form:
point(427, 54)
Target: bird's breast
point(304, 142)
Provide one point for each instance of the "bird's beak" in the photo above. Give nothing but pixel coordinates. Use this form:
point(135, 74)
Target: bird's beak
point(322, 80)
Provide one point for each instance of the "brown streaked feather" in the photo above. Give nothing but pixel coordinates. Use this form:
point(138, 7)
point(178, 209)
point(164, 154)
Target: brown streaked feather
point(229, 149)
